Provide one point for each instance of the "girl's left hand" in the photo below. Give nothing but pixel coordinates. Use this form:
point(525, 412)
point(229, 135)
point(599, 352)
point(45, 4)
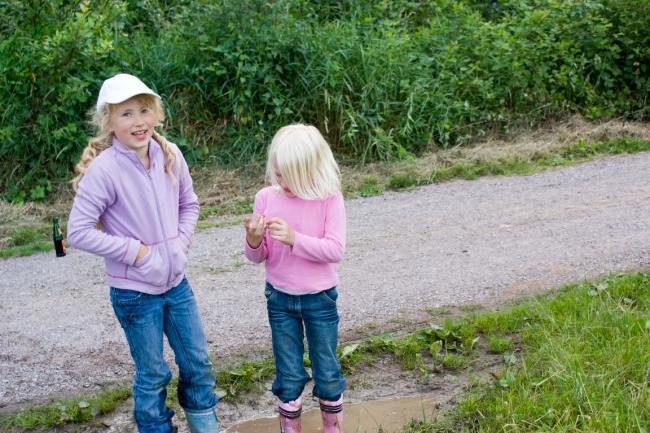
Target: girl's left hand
point(280, 231)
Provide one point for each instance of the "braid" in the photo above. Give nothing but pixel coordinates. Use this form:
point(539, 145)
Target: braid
point(96, 145)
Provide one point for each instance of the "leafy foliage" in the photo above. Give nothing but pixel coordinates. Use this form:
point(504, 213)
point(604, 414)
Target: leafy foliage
point(383, 80)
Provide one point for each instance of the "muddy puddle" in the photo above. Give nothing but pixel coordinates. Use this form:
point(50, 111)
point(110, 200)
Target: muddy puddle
point(367, 417)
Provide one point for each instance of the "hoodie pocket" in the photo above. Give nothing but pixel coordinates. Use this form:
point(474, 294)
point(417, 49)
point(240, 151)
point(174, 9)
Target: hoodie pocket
point(179, 257)
point(152, 268)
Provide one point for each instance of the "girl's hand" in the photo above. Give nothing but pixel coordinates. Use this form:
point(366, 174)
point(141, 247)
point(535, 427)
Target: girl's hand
point(142, 253)
point(255, 226)
point(280, 231)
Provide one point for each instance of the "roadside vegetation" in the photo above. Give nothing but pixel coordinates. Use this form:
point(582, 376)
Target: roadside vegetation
point(573, 360)
point(582, 364)
point(384, 81)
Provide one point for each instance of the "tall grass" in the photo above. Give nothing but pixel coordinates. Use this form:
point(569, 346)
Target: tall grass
point(383, 80)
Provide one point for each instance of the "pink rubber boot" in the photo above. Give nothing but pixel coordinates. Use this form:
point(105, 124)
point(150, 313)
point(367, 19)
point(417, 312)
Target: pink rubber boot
point(332, 414)
point(290, 416)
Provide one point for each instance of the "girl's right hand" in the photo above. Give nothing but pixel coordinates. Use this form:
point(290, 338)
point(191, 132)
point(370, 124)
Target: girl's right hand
point(255, 226)
point(142, 253)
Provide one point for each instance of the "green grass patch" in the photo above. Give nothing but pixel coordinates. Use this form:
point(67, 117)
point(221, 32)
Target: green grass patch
point(402, 181)
point(586, 366)
point(516, 166)
point(471, 169)
point(237, 207)
point(235, 380)
point(500, 345)
point(74, 411)
point(26, 250)
point(370, 186)
point(424, 349)
point(24, 241)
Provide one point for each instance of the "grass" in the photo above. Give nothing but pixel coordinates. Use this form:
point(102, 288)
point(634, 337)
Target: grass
point(24, 241)
point(440, 169)
point(73, 411)
point(586, 364)
point(500, 345)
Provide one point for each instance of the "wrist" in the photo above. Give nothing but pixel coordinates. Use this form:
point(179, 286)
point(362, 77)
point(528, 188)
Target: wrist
point(254, 243)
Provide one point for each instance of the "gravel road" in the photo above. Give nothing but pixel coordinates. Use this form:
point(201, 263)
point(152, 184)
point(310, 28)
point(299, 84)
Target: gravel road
point(462, 242)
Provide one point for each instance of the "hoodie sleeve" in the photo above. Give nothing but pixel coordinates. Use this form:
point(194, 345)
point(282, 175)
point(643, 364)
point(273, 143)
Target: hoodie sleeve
point(94, 195)
point(331, 247)
point(188, 204)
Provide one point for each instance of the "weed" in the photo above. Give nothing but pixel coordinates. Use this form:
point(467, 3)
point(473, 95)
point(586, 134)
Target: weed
point(370, 187)
point(454, 361)
point(402, 181)
point(232, 381)
point(77, 410)
point(500, 345)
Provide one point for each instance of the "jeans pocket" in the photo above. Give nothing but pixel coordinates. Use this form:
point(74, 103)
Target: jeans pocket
point(125, 303)
point(330, 295)
point(268, 292)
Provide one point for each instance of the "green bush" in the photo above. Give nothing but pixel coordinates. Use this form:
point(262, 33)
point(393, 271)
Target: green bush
point(382, 80)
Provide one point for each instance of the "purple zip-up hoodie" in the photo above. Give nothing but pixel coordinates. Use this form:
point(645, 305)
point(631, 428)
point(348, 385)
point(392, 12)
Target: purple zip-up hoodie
point(136, 206)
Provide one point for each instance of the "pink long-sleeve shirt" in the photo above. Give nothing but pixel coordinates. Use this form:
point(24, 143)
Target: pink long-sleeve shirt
point(309, 266)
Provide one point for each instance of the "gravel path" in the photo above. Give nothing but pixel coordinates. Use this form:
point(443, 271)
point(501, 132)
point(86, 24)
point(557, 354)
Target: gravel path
point(461, 242)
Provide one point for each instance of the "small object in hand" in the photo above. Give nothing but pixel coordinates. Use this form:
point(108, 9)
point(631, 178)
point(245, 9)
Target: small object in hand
point(57, 236)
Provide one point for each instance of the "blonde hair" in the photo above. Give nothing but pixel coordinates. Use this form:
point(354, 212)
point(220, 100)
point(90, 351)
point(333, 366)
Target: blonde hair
point(305, 161)
point(103, 138)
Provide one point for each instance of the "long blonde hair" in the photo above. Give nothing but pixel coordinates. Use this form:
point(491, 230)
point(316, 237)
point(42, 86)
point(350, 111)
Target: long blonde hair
point(103, 138)
point(305, 161)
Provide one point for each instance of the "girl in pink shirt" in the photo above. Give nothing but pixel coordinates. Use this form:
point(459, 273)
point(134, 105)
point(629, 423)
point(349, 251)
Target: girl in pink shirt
point(298, 230)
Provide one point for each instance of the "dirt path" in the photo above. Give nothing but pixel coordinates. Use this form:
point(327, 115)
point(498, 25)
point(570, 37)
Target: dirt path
point(457, 243)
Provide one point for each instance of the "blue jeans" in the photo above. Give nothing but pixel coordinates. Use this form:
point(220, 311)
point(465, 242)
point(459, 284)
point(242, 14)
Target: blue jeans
point(291, 318)
point(144, 319)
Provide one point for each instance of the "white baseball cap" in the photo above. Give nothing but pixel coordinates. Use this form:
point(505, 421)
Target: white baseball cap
point(120, 88)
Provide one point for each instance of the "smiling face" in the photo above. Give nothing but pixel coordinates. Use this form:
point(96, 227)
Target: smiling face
point(133, 122)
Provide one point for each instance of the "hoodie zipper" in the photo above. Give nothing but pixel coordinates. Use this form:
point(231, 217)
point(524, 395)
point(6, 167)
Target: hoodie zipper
point(162, 225)
point(147, 174)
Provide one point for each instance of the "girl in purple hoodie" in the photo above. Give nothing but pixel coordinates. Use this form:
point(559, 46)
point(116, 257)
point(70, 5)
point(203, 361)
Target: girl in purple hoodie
point(298, 230)
point(136, 207)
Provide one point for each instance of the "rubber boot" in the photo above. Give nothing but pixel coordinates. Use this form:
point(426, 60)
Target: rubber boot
point(290, 416)
point(331, 413)
point(202, 422)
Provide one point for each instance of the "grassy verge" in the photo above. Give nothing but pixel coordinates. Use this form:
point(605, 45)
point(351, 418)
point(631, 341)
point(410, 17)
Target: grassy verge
point(78, 410)
point(24, 241)
point(585, 364)
point(444, 169)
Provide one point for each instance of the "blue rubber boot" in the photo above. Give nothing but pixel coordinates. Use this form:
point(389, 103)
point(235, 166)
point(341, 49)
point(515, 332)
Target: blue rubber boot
point(202, 422)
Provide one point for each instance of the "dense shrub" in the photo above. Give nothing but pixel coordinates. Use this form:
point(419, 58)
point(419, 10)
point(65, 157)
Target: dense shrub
point(382, 79)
